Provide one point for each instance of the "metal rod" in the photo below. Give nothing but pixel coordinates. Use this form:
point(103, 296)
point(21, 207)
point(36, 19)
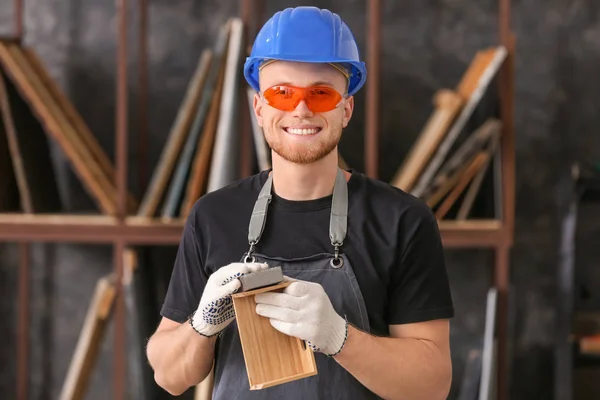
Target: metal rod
point(372, 87)
point(506, 86)
point(119, 367)
point(23, 324)
point(19, 19)
point(501, 279)
point(507, 154)
point(121, 151)
point(143, 133)
point(142, 231)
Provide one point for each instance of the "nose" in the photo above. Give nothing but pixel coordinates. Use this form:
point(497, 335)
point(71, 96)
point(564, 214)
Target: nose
point(302, 110)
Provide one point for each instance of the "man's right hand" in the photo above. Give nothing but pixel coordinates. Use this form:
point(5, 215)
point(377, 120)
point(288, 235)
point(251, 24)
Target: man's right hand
point(215, 310)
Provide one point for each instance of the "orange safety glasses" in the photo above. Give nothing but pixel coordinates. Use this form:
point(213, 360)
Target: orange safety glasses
point(317, 98)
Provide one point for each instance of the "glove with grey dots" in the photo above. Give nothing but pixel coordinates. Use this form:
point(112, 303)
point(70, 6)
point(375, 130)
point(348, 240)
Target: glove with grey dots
point(215, 311)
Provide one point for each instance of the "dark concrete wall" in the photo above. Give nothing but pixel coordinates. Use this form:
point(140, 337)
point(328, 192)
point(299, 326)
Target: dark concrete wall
point(426, 45)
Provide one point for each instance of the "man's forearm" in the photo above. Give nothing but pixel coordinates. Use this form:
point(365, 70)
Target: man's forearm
point(397, 368)
point(180, 358)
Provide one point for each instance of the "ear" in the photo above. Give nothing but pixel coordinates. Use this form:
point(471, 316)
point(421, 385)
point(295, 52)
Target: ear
point(258, 105)
point(348, 109)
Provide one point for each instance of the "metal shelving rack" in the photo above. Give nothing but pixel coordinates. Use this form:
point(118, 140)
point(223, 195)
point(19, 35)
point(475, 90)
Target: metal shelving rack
point(122, 230)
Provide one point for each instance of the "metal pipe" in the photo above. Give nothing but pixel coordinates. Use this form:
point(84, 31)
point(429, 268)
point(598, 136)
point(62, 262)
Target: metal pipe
point(372, 88)
point(121, 151)
point(143, 97)
point(23, 324)
point(507, 154)
point(19, 19)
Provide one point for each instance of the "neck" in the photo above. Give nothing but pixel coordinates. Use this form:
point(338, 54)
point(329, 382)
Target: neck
point(304, 181)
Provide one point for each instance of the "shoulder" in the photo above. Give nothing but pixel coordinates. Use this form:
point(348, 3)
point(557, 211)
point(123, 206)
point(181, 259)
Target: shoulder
point(229, 201)
point(383, 200)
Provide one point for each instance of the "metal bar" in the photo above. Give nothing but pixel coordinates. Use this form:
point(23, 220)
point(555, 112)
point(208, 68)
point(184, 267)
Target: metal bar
point(19, 19)
point(121, 152)
point(507, 154)
point(372, 88)
point(121, 143)
point(501, 279)
point(120, 351)
point(142, 162)
point(136, 230)
point(247, 149)
point(23, 324)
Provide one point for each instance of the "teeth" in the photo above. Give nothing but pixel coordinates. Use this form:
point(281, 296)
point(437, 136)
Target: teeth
point(295, 131)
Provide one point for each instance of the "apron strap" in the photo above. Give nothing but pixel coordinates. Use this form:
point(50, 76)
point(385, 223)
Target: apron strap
point(338, 223)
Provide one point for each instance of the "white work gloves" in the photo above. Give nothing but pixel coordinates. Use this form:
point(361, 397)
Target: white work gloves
point(215, 310)
point(304, 311)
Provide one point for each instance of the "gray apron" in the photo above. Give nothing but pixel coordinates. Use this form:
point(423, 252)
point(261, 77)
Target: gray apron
point(334, 272)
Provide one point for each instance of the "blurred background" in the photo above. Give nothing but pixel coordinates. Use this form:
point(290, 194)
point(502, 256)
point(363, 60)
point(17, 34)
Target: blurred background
point(425, 46)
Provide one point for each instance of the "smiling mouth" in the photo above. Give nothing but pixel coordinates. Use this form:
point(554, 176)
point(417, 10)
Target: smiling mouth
point(303, 131)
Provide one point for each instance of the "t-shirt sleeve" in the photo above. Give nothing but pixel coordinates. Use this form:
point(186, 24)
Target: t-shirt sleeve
point(188, 278)
point(420, 288)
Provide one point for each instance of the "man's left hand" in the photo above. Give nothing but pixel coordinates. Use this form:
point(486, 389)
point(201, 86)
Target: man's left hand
point(303, 310)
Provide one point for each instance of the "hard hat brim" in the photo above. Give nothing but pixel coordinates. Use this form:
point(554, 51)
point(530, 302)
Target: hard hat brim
point(358, 69)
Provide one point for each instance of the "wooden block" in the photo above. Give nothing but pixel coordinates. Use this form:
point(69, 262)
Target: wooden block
point(271, 357)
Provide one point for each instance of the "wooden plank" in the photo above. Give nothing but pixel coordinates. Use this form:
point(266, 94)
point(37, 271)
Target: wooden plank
point(30, 153)
point(263, 153)
point(199, 176)
point(9, 192)
point(176, 189)
point(476, 141)
point(462, 183)
point(447, 105)
point(474, 84)
point(176, 139)
point(272, 358)
point(85, 134)
point(467, 204)
point(224, 168)
point(88, 344)
point(50, 116)
point(14, 153)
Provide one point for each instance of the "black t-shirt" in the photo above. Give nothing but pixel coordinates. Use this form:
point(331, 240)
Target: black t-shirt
point(393, 245)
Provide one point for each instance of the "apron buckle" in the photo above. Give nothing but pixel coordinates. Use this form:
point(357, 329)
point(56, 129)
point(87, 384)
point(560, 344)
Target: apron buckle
point(336, 262)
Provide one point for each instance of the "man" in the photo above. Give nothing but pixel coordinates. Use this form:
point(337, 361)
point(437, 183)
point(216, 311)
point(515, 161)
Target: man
point(369, 289)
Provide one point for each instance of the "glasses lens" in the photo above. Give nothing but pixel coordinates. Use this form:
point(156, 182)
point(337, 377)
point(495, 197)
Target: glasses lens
point(318, 98)
point(322, 98)
point(282, 98)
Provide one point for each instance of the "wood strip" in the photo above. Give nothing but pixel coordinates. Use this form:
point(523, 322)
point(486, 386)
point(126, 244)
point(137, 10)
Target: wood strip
point(68, 130)
point(171, 204)
point(179, 132)
point(464, 180)
point(477, 141)
point(467, 203)
point(443, 190)
point(31, 154)
point(61, 131)
point(447, 105)
point(74, 117)
point(199, 175)
point(262, 151)
point(14, 149)
point(224, 168)
point(88, 344)
point(9, 192)
point(482, 73)
point(71, 113)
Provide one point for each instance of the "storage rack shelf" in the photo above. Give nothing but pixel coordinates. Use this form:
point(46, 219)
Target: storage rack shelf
point(122, 230)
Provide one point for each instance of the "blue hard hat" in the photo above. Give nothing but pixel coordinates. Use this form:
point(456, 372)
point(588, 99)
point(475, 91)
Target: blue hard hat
point(306, 34)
